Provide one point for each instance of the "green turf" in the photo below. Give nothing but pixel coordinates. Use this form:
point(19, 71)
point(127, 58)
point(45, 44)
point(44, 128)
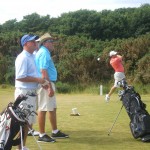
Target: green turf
point(90, 130)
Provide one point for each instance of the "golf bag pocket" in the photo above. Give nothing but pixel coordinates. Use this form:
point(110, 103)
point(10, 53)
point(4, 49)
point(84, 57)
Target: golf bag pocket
point(4, 130)
point(140, 125)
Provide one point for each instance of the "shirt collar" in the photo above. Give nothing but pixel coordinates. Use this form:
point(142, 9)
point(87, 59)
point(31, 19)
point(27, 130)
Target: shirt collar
point(27, 53)
point(43, 47)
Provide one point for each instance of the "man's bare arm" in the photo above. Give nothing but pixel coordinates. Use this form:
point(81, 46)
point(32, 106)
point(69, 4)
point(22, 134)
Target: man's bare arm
point(32, 79)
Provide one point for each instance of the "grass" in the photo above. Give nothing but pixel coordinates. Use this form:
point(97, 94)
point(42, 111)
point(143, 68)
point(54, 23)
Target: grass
point(90, 130)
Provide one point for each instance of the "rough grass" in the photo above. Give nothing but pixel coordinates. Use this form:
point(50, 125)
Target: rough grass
point(90, 130)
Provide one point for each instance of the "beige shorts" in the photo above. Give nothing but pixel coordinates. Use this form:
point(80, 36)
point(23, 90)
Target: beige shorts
point(30, 100)
point(46, 103)
point(118, 76)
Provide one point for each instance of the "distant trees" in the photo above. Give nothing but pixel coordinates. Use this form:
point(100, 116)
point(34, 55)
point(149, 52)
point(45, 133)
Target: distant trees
point(121, 23)
point(84, 35)
point(34, 23)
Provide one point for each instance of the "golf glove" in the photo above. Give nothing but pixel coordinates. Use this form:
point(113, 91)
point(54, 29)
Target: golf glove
point(107, 98)
point(45, 83)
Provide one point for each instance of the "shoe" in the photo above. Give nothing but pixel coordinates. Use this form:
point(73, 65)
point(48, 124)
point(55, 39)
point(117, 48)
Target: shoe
point(107, 98)
point(46, 138)
point(24, 148)
point(33, 132)
point(59, 134)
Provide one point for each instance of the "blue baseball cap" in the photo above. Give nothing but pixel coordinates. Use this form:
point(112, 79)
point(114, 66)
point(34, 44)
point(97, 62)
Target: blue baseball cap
point(28, 37)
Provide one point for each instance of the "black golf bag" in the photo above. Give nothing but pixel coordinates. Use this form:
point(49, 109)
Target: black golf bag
point(136, 110)
point(12, 120)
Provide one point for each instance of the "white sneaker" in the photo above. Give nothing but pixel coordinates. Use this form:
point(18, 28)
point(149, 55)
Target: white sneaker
point(24, 148)
point(33, 132)
point(107, 98)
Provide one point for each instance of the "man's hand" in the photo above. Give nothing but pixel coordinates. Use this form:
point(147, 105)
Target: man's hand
point(45, 85)
point(41, 80)
point(50, 91)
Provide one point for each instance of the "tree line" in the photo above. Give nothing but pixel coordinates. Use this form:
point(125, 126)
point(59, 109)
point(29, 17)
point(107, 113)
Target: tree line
point(82, 36)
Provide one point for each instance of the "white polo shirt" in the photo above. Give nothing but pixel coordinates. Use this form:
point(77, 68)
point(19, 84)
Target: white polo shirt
point(25, 66)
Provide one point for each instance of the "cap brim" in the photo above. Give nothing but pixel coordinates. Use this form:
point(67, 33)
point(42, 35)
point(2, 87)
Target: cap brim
point(38, 40)
point(33, 38)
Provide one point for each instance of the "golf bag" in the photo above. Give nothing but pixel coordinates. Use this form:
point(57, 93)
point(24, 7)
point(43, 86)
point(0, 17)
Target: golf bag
point(136, 110)
point(12, 120)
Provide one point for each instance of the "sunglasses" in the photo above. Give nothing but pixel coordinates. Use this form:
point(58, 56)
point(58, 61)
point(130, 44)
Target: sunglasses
point(50, 41)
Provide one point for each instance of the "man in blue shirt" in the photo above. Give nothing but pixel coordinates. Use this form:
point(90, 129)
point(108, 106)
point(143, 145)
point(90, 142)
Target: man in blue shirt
point(46, 94)
point(27, 79)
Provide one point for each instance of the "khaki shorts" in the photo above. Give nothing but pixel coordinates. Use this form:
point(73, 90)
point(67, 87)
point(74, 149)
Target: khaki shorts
point(31, 100)
point(118, 76)
point(46, 103)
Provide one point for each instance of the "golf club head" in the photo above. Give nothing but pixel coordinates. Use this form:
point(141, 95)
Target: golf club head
point(122, 83)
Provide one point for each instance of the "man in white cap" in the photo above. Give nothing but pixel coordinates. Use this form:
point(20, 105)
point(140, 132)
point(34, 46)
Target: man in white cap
point(46, 94)
point(26, 79)
point(116, 63)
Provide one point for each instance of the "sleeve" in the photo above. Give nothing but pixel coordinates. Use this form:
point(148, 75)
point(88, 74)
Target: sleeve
point(21, 68)
point(43, 61)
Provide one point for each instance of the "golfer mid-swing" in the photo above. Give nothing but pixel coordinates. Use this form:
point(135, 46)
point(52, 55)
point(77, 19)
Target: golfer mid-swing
point(116, 63)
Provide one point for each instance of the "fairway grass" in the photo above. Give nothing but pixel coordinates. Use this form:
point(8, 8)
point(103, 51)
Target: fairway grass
point(89, 131)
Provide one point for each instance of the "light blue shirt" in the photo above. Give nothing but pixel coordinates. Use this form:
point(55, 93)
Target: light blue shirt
point(25, 67)
point(44, 61)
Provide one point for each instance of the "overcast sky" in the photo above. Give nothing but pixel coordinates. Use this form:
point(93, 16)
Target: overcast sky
point(16, 9)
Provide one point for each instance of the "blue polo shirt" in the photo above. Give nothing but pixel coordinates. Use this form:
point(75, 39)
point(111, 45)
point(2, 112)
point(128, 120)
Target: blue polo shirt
point(25, 66)
point(44, 61)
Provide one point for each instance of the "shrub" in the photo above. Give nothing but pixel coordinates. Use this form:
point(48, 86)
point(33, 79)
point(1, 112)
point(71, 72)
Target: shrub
point(63, 87)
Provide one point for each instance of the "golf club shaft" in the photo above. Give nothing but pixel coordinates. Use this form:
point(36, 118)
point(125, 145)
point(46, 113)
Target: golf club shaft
point(34, 138)
point(21, 137)
point(115, 121)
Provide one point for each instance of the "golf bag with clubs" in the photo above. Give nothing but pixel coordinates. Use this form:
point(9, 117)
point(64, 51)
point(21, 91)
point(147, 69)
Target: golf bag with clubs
point(136, 110)
point(13, 118)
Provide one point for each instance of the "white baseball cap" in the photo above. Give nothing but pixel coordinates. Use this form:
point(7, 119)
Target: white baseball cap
point(112, 53)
